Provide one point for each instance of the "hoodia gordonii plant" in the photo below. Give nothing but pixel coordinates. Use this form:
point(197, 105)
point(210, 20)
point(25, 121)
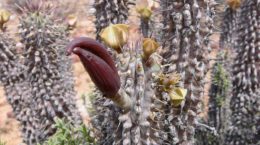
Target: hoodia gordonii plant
point(244, 128)
point(128, 111)
point(12, 77)
point(111, 12)
point(229, 24)
point(47, 75)
point(187, 26)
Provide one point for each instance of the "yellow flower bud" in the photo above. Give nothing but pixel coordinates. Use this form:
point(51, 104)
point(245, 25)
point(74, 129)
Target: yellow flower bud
point(177, 95)
point(115, 36)
point(124, 29)
point(149, 47)
point(72, 20)
point(4, 17)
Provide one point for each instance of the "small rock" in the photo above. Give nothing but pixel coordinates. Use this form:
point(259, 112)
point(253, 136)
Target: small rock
point(10, 114)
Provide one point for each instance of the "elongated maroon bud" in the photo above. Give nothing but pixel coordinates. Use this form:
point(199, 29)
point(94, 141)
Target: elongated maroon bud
point(92, 46)
point(98, 63)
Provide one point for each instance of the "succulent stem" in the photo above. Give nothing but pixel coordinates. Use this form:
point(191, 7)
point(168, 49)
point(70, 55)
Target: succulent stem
point(123, 100)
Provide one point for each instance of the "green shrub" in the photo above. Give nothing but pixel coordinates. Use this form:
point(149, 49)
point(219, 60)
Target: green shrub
point(67, 134)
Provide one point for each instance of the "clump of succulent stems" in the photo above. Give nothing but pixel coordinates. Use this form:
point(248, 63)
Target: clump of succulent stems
point(187, 26)
point(37, 81)
point(148, 92)
point(156, 113)
point(127, 91)
point(46, 75)
point(13, 76)
point(244, 126)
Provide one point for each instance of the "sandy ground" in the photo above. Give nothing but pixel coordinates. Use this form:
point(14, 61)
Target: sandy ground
point(9, 127)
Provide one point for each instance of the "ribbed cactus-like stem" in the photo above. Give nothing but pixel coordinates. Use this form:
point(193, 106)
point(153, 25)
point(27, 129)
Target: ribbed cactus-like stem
point(246, 70)
point(13, 78)
point(155, 116)
point(110, 12)
point(145, 27)
point(229, 27)
point(47, 75)
point(186, 39)
point(64, 64)
point(137, 81)
point(125, 125)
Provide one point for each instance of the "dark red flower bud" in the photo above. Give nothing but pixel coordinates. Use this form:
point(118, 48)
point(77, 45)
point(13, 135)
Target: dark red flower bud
point(98, 63)
point(93, 46)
